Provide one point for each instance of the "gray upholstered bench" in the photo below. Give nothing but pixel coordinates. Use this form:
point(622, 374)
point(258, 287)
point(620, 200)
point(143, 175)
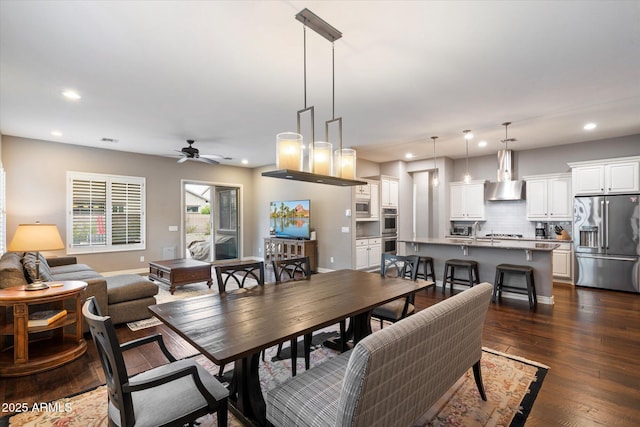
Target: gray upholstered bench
point(393, 376)
point(129, 295)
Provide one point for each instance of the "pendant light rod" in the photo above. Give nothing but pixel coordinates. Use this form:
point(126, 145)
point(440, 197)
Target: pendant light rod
point(434, 150)
point(467, 136)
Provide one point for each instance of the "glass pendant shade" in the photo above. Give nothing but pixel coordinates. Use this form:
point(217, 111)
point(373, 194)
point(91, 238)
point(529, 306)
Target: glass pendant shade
point(435, 180)
point(344, 161)
point(321, 158)
point(289, 151)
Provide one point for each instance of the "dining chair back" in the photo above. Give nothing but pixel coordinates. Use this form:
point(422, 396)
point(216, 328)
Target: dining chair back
point(286, 270)
point(397, 266)
point(240, 274)
point(148, 399)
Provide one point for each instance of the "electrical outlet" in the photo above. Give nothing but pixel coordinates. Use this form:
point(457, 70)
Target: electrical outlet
point(142, 259)
point(331, 260)
point(345, 229)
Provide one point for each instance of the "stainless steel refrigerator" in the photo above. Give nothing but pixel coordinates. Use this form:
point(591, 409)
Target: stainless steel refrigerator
point(607, 247)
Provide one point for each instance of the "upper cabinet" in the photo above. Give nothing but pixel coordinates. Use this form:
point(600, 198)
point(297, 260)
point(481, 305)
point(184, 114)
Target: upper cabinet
point(467, 201)
point(549, 197)
point(389, 192)
point(612, 176)
point(374, 204)
point(363, 191)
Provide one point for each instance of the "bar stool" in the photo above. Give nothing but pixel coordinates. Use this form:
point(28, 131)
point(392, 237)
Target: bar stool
point(449, 273)
point(427, 269)
point(530, 290)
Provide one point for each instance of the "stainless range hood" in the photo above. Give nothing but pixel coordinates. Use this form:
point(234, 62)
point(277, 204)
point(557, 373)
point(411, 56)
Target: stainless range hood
point(505, 188)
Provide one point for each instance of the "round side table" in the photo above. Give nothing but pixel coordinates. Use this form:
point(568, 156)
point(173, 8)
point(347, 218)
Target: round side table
point(40, 348)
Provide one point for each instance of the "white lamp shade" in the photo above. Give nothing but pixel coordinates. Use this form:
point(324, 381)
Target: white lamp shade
point(35, 238)
point(344, 164)
point(289, 151)
point(322, 158)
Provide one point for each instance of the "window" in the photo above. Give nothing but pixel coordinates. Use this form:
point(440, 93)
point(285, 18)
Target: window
point(227, 210)
point(106, 213)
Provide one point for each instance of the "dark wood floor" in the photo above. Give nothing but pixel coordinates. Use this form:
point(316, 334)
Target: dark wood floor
point(590, 339)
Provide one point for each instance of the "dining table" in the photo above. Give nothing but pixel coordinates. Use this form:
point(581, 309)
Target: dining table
point(235, 326)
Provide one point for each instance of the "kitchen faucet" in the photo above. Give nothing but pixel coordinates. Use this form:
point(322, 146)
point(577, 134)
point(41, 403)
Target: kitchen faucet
point(475, 230)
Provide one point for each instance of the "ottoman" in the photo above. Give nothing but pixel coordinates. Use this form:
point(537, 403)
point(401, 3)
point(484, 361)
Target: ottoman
point(129, 296)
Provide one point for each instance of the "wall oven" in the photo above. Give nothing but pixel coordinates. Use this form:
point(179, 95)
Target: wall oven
point(389, 222)
point(363, 208)
point(389, 245)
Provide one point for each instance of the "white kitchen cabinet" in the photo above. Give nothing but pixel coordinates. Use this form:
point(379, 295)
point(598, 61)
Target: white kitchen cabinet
point(562, 259)
point(612, 176)
point(374, 203)
point(467, 201)
point(389, 193)
point(549, 197)
point(363, 191)
point(368, 252)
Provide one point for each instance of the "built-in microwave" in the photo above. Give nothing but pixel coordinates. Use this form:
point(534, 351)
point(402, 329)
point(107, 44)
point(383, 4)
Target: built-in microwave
point(363, 208)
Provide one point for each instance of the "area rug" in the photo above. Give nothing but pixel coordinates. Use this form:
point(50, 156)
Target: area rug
point(511, 384)
point(181, 292)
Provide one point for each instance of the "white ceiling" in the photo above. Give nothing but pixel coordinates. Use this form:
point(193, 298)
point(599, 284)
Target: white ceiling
point(229, 74)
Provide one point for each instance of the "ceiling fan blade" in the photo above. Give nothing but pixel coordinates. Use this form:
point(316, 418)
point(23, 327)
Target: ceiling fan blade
point(207, 160)
point(211, 156)
point(183, 159)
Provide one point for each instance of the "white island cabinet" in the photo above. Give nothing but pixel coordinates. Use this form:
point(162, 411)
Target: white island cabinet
point(610, 176)
point(467, 201)
point(563, 262)
point(549, 197)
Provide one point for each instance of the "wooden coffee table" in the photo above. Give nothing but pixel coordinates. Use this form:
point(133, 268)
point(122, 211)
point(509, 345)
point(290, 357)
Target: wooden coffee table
point(177, 272)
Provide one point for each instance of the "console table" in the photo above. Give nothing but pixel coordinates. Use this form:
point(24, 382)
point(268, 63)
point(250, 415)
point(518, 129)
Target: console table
point(37, 349)
point(276, 248)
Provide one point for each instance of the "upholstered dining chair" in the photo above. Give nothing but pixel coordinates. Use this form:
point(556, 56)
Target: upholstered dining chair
point(397, 266)
point(240, 274)
point(174, 394)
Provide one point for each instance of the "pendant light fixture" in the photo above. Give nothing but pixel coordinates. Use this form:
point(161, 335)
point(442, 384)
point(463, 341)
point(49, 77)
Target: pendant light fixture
point(321, 169)
point(506, 175)
point(435, 180)
point(467, 136)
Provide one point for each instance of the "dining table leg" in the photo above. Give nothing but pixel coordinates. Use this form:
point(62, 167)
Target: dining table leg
point(247, 390)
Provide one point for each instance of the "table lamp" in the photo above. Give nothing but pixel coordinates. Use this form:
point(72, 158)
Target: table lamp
point(35, 238)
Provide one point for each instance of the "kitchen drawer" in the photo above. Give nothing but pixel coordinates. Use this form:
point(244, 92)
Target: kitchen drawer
point(362, 242)
point(375, 241)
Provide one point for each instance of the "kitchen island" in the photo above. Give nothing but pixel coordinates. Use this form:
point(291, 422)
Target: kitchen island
point(489, 253)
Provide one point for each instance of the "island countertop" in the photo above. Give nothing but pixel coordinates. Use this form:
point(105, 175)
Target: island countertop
point(485, 242)
point(488, 255)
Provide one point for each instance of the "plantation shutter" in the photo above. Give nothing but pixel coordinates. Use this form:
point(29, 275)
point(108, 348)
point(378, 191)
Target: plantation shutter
point(126, 213)
point(106, 213)
point(89, 209)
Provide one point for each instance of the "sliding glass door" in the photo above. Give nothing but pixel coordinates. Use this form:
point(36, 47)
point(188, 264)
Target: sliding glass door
point(211, 225)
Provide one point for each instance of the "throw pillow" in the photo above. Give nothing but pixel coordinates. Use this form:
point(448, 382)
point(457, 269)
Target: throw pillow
point(29, 263)
point(11, 271)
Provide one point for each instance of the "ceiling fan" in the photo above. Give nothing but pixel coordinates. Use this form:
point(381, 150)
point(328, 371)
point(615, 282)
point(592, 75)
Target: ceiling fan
point(192, 153)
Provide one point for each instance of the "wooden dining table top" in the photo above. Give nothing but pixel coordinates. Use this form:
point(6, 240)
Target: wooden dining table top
point(236, 324)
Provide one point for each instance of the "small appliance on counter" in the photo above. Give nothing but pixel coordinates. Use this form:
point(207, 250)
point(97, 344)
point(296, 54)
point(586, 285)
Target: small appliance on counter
point(461, 230)
point(541, 230)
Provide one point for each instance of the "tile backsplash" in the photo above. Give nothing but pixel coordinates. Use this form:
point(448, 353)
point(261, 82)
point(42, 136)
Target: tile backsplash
point(510, 217)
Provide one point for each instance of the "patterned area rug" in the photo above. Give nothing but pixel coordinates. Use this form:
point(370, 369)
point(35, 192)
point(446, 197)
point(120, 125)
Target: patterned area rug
point(511, 385)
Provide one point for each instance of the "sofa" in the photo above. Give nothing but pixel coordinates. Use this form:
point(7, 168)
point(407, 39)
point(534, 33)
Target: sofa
point(123, 297)
point(393, 376)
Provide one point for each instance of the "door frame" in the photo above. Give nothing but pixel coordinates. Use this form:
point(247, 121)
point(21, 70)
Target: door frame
point(239, 187)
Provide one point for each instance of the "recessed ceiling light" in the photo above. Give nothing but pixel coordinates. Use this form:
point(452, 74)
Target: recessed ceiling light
point(71, 94)
point(56, 133)
point(408, 156)
point(482, 144)
point(245, 161)
point(590, 126)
